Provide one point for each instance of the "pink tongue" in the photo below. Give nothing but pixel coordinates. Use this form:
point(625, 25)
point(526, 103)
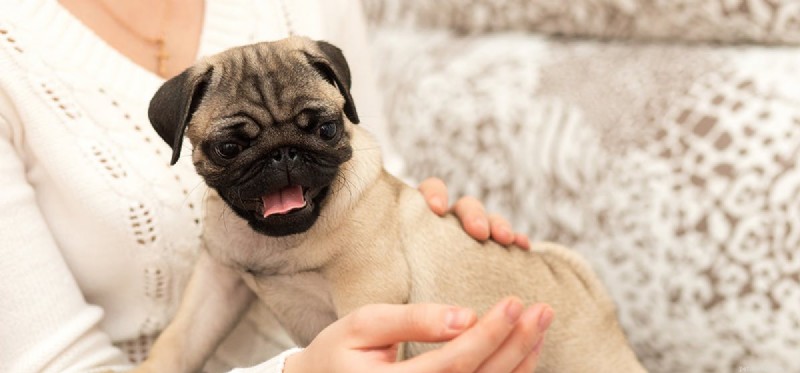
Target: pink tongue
point(283, 201)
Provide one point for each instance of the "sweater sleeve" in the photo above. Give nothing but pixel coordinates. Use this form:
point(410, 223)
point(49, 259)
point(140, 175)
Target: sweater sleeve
point(274, 365)
point(45, 323)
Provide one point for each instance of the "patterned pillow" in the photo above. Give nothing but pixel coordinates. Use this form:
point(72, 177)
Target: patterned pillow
point(672, 168)
point(761, 21)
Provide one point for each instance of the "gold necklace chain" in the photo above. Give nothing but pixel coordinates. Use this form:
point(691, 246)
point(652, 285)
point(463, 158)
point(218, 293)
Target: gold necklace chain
point(158, 41)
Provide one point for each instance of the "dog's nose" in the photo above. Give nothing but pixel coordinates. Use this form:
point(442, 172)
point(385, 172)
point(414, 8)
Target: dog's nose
point(284, 155)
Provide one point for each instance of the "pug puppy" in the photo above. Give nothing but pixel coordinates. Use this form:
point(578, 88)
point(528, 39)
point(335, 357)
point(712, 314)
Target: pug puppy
point(301, 214)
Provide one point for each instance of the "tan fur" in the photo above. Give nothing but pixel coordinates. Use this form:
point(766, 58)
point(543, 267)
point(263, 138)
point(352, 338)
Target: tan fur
point(376, 241)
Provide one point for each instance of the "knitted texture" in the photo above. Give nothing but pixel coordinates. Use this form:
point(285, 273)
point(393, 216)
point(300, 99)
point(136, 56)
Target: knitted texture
point(671, 167)
point(98, 233)
point(729, 21)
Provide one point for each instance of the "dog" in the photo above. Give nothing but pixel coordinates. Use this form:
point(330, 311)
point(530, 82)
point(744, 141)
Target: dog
point(302, 216)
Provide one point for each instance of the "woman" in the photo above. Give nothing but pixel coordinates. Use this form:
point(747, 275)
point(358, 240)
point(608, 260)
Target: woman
point(99, 234)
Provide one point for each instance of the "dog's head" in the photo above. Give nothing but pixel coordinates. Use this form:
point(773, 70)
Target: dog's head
point(270, 125)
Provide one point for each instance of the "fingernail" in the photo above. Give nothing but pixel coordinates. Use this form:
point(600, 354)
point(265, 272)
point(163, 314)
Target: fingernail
point(457, 319)
point(532, 314)
point(546, 318)
point(505, 233)
point(513, 310)
point(525, 243)
point(437, 203)
point(481, 224)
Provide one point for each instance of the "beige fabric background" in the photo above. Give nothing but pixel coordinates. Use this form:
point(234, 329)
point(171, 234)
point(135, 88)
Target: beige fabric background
point(669, 161)
point(759, 21)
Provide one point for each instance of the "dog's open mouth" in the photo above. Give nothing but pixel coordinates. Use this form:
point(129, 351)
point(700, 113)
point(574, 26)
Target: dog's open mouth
point(290, 199)
point(284, 201)
point(283, 211)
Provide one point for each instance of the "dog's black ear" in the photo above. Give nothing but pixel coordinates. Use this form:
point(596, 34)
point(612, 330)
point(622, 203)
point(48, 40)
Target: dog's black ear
point(172, 106)
point(335, 69)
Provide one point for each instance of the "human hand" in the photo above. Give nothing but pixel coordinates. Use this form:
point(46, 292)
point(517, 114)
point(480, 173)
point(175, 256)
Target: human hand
point(472, 215)
point(507, 339)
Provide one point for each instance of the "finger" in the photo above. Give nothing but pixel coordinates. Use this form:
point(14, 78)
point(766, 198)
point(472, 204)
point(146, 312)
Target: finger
point(520, 344)
point(529, 364)
point(386, 324)
point(521, 240)
point(472, 215)
point(469, 350)
point(500, 230)
point(435, 193)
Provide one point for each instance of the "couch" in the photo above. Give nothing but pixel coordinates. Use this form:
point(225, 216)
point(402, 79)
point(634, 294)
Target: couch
point(659, 138)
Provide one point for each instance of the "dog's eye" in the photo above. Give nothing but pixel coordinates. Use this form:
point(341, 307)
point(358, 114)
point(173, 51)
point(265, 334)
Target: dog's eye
point(327, 130)
point(228, 150)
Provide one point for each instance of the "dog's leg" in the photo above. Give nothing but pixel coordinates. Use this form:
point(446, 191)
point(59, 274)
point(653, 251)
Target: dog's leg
point(214, 301)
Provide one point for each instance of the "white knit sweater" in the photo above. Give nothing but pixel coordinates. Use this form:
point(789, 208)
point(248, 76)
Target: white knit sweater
point(97, 232)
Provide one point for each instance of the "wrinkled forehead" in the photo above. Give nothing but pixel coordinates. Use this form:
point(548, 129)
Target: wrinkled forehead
point(270, 79)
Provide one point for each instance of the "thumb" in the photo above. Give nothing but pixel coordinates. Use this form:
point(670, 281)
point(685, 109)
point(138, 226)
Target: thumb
point(380, 325)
